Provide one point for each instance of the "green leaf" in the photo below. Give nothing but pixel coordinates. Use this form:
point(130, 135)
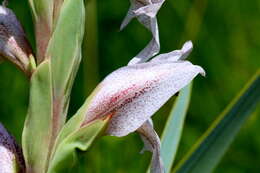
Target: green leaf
point(64, 52)
point(173, 129)
point(43, 19)
point(38, 124)
point(42, 9)
point(207, 152)
point(64, 48)
point(73, 126)
point(56, 10)
point(65, 157)
point(74, 123)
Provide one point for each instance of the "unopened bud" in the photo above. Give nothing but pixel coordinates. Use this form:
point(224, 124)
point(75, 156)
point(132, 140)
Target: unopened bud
point(14, 45)
point(11, 159)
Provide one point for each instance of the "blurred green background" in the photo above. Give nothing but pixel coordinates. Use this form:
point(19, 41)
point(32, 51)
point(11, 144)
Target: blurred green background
point(226, 37)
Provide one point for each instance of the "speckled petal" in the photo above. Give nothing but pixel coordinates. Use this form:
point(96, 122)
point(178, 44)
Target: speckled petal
point(11, 160)
point(157, 83)
point(152, 143)
point(176, 54)
point(149, 10)
point(145, 11)
point(153, 46)
point(132, 94)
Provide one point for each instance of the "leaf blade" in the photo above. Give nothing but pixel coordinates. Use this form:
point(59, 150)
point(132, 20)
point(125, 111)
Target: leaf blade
point(42, 8)
point(64, 48)
point(43, 18)
point(173, 129)
point(38, 120)
point(64, 52)
point(65, 158)
point(200, 158)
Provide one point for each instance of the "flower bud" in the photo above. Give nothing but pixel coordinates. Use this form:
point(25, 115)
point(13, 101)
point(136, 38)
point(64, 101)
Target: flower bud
point(11, 159)
point(14, 45)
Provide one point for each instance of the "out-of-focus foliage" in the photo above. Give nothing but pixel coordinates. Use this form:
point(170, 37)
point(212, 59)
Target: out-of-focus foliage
point(226, 39)
point(208, 151)
point(175, 123)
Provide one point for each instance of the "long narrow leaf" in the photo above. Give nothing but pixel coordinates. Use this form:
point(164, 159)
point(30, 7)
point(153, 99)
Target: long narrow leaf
point(173, 129)
point(38, 125)
point(64, 48)
point(64, 52)
point(207, 152)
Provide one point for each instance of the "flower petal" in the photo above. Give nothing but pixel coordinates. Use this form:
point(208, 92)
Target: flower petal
point(142, 7)
point(157, 84)
point(149, 10)
point(153, 46)
point(152, 143)
point(176, 54)
point(145, 11)
point(11, 155)
point(135, 5)
point(132, 94)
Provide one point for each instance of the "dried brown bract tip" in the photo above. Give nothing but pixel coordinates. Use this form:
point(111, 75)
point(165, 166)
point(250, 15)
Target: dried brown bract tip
point(14, 45)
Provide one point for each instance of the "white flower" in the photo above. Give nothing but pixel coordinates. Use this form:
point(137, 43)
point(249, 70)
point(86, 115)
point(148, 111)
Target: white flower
point(132, 94)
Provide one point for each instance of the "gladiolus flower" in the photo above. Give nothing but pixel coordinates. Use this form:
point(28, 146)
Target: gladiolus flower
point(132, 94)
point(11, 159)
